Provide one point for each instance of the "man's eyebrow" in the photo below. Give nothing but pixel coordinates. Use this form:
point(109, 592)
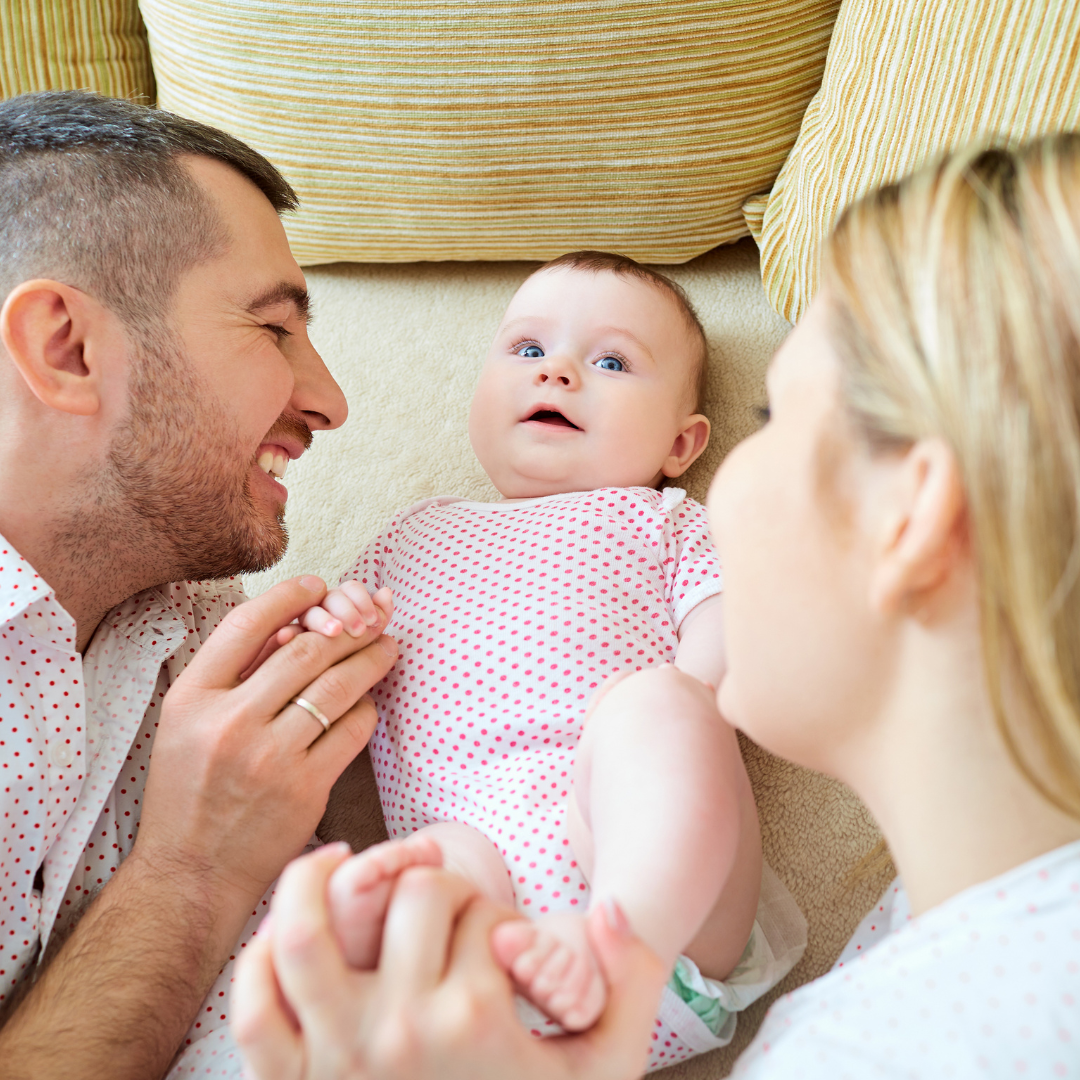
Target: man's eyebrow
point(284, 292)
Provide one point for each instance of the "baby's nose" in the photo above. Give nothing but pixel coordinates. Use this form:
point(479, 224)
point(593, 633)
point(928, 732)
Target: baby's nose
point(557, 377)
point(558, 369)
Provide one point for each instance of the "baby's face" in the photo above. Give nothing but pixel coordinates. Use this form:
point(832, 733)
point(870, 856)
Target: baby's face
point(586, 386)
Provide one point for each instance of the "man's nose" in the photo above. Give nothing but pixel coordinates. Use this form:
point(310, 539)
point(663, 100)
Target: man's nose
point(558, 369)
point(316, 394)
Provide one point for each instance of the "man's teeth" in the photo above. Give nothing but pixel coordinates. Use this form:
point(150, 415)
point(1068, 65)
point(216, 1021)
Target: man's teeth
point(274, 464)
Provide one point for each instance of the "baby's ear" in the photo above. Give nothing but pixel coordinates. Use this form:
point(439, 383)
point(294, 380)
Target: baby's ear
point(688, 445)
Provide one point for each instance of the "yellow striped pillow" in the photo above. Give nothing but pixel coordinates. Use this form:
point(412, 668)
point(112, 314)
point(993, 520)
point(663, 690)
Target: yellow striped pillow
point(450, 129)
point(74, 44)
point(903, 83)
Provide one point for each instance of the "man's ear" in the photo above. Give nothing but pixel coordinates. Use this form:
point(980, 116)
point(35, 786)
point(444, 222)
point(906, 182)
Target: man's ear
point(46, 327)
point(688, 445)
point(924, 528)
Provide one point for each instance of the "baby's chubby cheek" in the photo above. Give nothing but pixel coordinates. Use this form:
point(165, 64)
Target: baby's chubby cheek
point(488, 423)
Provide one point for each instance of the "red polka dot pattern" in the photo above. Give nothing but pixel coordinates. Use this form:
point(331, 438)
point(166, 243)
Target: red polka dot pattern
point(75, 741)
point(510, 615)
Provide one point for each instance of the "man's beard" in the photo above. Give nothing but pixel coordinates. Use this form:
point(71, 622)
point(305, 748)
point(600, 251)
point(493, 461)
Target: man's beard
point(177, 482)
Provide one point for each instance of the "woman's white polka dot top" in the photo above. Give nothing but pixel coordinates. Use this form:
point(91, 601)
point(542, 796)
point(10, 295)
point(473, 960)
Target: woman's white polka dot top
point(986, 984)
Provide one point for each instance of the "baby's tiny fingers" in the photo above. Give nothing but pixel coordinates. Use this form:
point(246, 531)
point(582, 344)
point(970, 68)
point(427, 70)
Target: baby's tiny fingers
point(361, 598)
point(384, 598)
point(356, 616)
point(321, 621)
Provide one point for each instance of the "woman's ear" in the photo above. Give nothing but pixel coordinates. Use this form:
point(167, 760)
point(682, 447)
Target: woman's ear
point(46, 327)
point(923, 531)
point(689, 443)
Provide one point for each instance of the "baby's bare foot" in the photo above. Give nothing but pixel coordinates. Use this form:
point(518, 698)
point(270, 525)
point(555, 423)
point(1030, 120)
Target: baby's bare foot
point(553, 966)
point(359, 892)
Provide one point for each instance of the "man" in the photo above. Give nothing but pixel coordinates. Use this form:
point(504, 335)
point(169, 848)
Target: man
point(155, 375)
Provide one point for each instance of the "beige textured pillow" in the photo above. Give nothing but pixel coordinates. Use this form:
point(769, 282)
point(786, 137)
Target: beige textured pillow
point(905, 82)
point(72, 45)
point(450, 129)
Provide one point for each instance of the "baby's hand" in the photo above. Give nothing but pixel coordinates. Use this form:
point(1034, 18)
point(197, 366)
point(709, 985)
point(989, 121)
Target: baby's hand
point(349, 607)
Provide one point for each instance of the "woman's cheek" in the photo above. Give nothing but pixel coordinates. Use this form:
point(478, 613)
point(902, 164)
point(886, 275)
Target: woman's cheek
point(746, 693)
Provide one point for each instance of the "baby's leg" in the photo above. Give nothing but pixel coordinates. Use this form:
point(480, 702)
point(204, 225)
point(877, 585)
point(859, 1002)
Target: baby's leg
point(667, 809)
point(662, 820)
point(360, 889)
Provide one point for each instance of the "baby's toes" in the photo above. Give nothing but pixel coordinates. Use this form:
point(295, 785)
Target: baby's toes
point(512, 941)
point(359, 892)
point(357, 917)
point(397, 856)
point(383, 861)
point(560, 978)
point(554, 973)
point(579, 1002)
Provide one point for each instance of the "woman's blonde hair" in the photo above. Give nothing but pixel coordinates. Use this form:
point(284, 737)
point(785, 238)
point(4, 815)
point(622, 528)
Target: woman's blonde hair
point(955, 300)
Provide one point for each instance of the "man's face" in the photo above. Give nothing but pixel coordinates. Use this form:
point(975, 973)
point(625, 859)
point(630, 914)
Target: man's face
point(226, 395)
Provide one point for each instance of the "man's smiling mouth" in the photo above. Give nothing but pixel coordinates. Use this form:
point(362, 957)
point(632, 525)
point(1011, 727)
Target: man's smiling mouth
point(274, 461)
point(551, 417)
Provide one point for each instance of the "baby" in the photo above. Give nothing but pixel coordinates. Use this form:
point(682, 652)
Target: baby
point(512, 615)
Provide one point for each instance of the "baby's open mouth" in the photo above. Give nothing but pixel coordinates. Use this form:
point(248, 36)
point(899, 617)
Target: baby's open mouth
point(550, 416)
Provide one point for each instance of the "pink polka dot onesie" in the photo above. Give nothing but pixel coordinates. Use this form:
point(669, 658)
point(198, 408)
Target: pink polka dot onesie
point(509, 616)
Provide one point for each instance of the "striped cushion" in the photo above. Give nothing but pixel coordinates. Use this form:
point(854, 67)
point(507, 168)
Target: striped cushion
point(903, 83)
point(74, 44)
point(451, 129)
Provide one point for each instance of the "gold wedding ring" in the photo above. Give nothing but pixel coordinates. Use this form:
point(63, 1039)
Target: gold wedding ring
point(315, 712)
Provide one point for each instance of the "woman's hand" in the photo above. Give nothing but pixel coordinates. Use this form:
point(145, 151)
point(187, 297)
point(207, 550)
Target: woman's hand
point(438, 1007)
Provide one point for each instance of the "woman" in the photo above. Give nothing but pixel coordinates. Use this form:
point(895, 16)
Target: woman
point(901, 545)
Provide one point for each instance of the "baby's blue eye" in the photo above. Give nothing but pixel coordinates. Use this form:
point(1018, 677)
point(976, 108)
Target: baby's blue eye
point(531, 351)
point(610, 363)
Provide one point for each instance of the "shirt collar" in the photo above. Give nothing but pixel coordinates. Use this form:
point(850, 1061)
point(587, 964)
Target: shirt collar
point(147, 619)
point(20, 584)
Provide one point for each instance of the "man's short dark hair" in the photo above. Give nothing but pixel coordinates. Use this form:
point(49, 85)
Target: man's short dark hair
point(624, 266)
point(93, 193)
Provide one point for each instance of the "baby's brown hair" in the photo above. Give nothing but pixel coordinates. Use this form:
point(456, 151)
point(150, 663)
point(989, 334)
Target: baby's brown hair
point(624, 266)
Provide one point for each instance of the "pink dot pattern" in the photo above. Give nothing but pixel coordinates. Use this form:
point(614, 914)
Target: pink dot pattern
point(75, 742)
point(510, 615)
point(986, 984)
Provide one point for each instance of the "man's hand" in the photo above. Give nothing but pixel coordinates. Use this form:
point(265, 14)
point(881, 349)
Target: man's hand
point(349, 608)
point(438, 1008)
point(238, 780)
point(240, 777)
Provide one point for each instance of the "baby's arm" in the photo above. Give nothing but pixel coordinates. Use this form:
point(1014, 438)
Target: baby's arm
point(702, 652)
